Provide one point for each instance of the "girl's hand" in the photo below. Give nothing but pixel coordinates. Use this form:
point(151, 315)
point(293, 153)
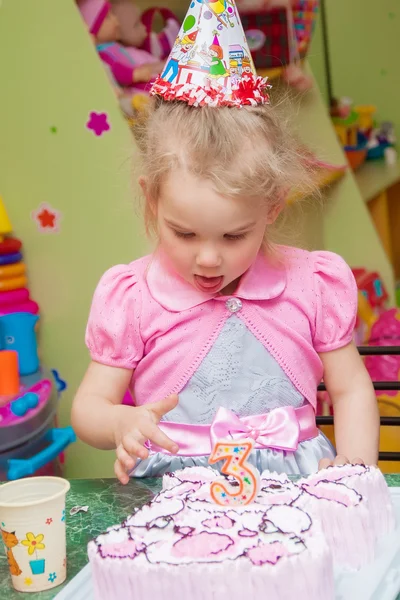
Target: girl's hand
point(146, 72)
point(136, 425)
point(339, 460)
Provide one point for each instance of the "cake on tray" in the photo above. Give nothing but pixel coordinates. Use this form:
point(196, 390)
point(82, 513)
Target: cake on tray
point(182, 544)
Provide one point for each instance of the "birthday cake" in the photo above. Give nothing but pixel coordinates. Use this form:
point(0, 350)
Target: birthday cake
point(183, 544)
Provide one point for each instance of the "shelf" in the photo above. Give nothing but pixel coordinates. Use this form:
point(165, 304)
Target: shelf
point(270, 73)
point(325, 178)
point(376, 176)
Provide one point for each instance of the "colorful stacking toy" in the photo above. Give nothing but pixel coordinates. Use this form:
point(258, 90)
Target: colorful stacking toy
point(30, 440)
point(14, 292)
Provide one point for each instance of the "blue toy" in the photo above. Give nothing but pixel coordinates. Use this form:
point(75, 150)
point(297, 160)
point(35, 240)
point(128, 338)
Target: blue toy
point(17, 332)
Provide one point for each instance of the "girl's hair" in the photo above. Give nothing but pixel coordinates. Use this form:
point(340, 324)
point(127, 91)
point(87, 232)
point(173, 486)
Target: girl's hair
point(243, 152)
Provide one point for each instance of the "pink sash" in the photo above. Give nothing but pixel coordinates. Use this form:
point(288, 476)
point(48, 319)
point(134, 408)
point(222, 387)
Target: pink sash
point(280, 429)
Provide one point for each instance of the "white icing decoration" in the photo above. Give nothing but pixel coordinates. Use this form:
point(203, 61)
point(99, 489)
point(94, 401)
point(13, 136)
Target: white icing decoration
point(155, 510)
point(288, 519)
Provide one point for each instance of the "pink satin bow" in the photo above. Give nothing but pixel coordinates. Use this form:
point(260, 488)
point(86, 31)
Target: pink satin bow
point(278, 429)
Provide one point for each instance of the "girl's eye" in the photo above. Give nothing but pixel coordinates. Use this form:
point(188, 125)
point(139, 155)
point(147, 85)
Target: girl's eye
point(232, 237)
point(185, 236)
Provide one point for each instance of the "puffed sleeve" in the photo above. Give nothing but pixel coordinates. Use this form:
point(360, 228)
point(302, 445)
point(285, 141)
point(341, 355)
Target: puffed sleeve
point(113, 329)
point(336, 300)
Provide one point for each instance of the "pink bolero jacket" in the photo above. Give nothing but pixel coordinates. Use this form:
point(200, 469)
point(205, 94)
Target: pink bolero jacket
point(146, 318)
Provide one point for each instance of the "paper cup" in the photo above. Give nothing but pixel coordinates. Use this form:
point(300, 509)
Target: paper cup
point(32, 520)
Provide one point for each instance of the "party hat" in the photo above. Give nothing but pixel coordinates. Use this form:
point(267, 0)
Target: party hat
point(210, 62)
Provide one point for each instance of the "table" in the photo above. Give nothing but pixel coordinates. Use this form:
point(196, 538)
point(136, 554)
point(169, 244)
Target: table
point(109, 503)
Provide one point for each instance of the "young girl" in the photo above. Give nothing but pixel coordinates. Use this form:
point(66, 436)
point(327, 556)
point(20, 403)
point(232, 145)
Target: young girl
point(221, 333)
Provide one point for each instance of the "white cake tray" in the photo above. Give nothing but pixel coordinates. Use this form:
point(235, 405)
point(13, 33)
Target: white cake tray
point(377, 581)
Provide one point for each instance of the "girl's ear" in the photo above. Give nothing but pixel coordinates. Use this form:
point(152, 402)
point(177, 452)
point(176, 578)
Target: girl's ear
point(278, 207)
point(143, 185)
point(145, 189)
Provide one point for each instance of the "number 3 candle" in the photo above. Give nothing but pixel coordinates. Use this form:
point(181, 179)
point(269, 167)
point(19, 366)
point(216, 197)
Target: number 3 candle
point(235, 454)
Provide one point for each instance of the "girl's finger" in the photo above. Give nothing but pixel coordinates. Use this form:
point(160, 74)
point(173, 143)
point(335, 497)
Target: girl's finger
point(340, 460)
point(134, 448)
point(127, 461)
point(120, 473)
point(163, 406)
point(324, 462)
point(357, 461)
point(155, 435)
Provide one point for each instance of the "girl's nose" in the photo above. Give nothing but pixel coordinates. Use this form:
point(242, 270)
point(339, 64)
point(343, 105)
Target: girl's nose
point(208, 257)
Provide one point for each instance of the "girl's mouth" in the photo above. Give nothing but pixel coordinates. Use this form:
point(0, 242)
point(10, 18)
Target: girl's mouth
point(208, 284)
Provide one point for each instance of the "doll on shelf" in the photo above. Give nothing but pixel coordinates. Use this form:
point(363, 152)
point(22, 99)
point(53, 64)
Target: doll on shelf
point(133, 24)
point(132, 69)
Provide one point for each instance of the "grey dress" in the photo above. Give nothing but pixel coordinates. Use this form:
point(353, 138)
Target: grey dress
point(240, 374)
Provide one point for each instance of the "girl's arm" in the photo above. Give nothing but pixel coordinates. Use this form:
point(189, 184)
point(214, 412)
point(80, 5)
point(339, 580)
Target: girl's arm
point(101, 420)
point(97, 404)
point(355, 406)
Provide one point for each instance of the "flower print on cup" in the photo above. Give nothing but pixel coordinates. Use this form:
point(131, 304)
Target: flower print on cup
point(34, 544)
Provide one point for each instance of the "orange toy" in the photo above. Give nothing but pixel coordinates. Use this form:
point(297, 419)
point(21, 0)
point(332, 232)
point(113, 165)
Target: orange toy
point(9, 377)
point(13, 284)
point(14, 270)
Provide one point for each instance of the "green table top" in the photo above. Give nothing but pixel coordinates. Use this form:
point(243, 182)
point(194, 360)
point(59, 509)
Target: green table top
point(109, 503)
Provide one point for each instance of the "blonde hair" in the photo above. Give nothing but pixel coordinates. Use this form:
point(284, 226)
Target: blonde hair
point(243, 152)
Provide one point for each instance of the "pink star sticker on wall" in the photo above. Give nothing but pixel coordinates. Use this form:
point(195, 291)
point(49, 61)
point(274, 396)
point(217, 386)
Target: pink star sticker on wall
point(98, 123)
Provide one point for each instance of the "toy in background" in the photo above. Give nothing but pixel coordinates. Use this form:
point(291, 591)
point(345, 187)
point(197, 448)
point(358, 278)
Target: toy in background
point(14, 292)
point(361, 137)
point(28, 395)
point(279, 34)
point(158, 44)
point(376, 326)
point(130, 68)
point(380, 327)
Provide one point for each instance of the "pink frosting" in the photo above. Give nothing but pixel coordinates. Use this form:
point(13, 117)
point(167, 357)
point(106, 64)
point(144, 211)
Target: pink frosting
point(336, 492)
point(267, 553)
point(336, 473)
point(201, 545)
point(119, 549)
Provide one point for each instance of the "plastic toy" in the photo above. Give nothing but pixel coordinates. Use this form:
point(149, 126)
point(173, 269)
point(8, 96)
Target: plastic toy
point(13, 284)
point(17, 332)
point(9, 271)
point(371, 286)
point(26, 400)
point(58, 439)
point(22, 451)
point(14, 295)
point(360, 137)
point(29, 306)
point(385, 332)
point(9, 377)
point(5, 223)
point(29, 442)
point(9, 259)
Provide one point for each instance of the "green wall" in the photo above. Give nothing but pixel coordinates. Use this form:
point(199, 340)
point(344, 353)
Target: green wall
point(53, 78)
point(364, 52)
